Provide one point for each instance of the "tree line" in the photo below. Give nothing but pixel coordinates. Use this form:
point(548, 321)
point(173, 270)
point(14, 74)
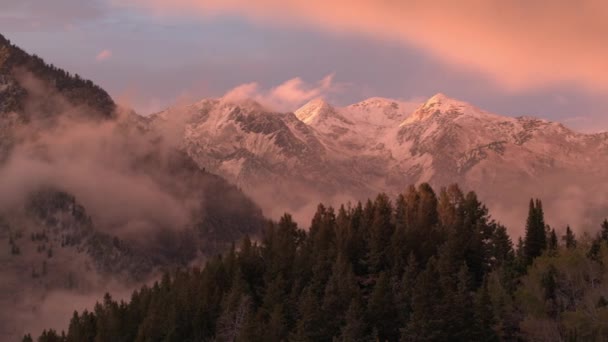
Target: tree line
point(425, 266)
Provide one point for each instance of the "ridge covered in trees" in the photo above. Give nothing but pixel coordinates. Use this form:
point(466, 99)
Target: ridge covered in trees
point(75, 89)
point(424, 267)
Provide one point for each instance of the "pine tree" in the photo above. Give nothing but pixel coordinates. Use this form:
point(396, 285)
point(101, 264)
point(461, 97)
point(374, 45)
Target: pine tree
point(458, 305)
point(235, 310)
point(340, 290)
point(501, 248)
point(309, 324)
point(404, 291)
point(569, 238)
point(604, 231)
point(276, 329)
point(552, 241)
point(484, 316)
point(51, 336)
point(354, 327)
point(448, 207)
point(535, 241)
point(382, 311)
point(594, 250)
point(382, 230)
point(399, 240)
point(426, 321)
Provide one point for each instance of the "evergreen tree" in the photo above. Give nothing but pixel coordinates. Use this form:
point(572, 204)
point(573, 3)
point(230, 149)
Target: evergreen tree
point(276, 329)
point(552, 241)
point(51, 336)
point(309, 326)
point(484, 317)
point(382, 312)
point(235, 311)
point(405, 289)
point(381, 232)
point(340, 290)
point(398, 249)
point(594, 250)
point(535, 241)
point(343, 280)
point(569, 238)
point(426, 321)
point(354, 327)
point(501, 248)
point(604, 231)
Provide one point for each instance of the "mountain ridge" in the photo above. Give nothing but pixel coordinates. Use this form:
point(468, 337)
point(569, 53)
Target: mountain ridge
point(442, 141)
point(14, 62)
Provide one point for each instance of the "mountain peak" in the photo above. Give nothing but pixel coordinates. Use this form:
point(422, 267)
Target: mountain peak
point(318, 103)
point(442, 100)
point(440, 104)
point(375, 102)
point(314, 110)
point(379, 111)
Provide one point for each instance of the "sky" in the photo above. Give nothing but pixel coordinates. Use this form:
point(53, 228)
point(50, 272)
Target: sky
point(544, 58)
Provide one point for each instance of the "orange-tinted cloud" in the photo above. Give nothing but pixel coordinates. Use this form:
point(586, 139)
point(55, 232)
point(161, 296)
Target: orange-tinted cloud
point(103, 55)
point(287, 96)
point(520, 44)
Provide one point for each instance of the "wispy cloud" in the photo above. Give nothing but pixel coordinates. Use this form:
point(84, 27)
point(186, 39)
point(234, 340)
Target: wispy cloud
point(287, 96)
point(518, 44)
point(103, 55)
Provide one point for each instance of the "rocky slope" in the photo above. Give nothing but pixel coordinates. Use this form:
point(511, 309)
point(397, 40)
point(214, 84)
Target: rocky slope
point(291, 161)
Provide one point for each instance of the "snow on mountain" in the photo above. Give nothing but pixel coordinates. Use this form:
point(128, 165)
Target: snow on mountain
point(378, 111)
point(322, 151)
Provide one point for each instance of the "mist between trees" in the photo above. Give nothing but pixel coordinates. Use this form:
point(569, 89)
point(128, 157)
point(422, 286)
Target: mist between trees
point(425, 266)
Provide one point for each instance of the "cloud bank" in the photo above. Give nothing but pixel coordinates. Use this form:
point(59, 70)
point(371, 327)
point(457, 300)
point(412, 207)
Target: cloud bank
point(518, 44)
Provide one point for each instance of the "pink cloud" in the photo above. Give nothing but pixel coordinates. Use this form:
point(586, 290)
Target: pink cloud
point(518, 44)
point(103, 55)
point(287, 96)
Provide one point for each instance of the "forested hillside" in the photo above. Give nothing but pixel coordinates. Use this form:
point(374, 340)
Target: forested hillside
point(92, 198)
point(425, 266)
point(18, 89)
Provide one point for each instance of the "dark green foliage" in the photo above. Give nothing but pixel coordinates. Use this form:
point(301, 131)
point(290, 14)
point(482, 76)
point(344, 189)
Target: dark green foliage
point(569, 238)
point(382, 311)
point(344, 280)
point(360, 273)
point(484, 320)
point(552, 240)
point(535, 241)
point(426, 321)
point(52, 336)
point(604, 231)
point(354, 326)
point(15, 63)
point(382, 229)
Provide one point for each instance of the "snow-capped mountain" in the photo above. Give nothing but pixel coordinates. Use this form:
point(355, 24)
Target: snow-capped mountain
point(289, 161)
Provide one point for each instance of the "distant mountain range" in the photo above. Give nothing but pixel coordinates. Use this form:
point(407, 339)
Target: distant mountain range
point(291, 161)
